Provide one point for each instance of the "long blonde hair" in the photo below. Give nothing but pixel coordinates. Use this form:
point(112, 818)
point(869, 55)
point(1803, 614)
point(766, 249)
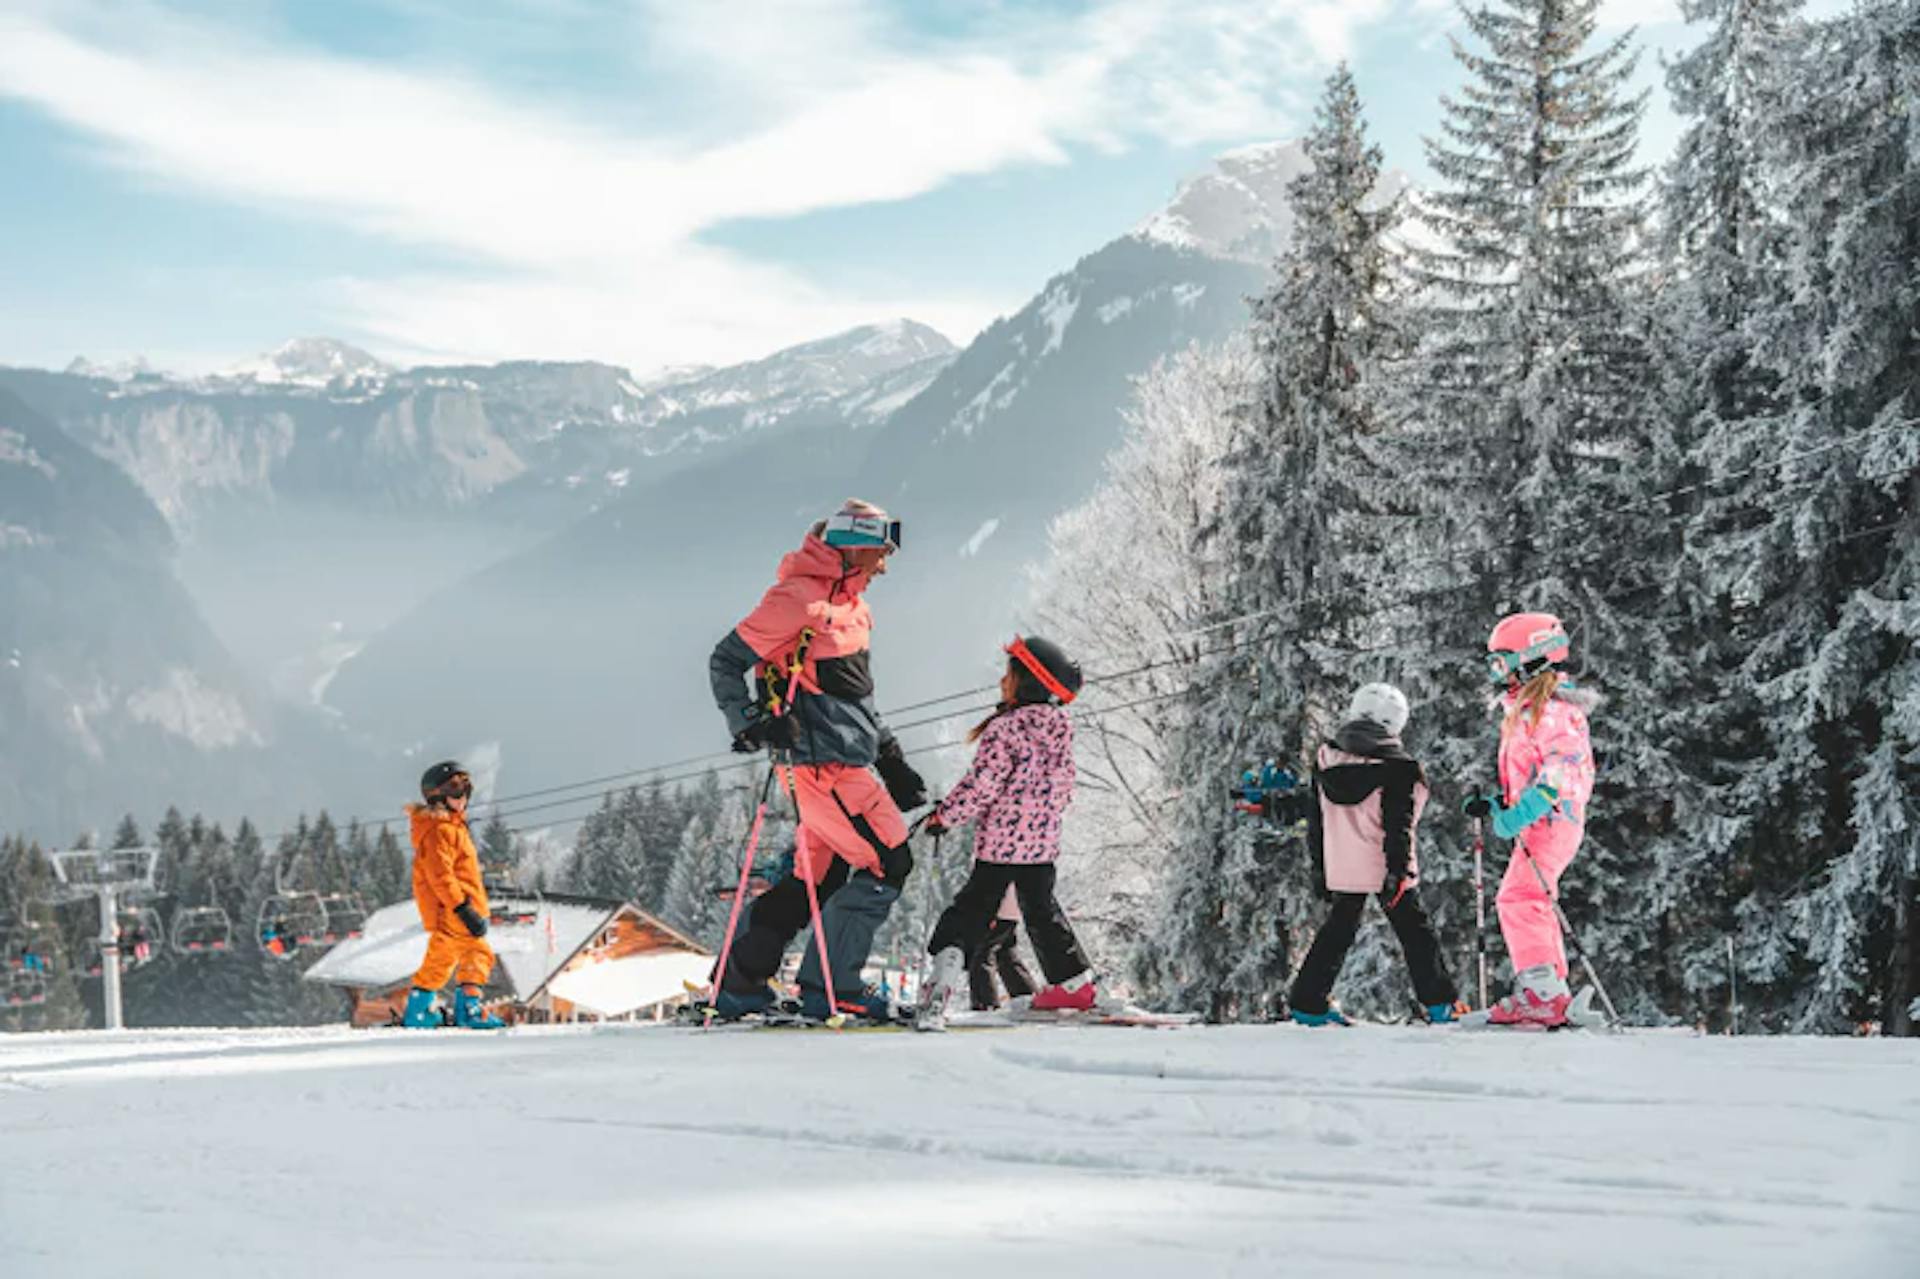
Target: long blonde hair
point(1534, 696)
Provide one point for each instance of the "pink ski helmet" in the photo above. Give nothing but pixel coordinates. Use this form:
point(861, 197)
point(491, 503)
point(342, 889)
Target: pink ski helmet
point(1524, 644)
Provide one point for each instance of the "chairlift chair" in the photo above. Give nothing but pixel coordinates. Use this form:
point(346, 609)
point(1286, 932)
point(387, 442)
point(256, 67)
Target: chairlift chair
point(27, 947)
point(290, 922)
point(24, 989)
point(141, 940)
point(201, 930)
point(346, 917)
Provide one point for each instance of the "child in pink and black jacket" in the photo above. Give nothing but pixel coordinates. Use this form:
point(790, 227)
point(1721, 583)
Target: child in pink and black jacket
point(1015, 793)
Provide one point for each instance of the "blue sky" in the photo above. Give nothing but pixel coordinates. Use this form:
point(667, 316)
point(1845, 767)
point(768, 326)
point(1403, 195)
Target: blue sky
point(643, 181)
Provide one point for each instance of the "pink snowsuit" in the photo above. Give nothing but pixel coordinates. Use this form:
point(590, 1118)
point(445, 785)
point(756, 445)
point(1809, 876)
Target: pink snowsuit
point(1555, 751)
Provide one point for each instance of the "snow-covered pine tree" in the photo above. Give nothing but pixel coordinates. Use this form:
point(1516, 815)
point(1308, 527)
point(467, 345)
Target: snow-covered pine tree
point(1536, 418)
point(1126, 583)
point(1300, 532)
point(1720, 250)
point(1832, 587)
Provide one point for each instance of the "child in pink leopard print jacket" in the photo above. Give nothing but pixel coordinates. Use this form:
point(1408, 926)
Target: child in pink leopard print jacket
point(1014, 793)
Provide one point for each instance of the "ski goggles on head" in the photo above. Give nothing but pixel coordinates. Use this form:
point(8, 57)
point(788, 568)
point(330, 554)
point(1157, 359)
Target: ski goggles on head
point(850, 531)
point(459, 786)
point(1503, 667)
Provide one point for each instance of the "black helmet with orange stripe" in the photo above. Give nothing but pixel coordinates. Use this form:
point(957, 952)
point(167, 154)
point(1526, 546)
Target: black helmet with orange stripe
point(1043, 672)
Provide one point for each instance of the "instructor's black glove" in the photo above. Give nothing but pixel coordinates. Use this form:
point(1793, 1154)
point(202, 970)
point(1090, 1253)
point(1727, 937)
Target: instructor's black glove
point(896, 864)
point(906, 787)
point(476, 922)
point(1477, 805)
point(774, 731)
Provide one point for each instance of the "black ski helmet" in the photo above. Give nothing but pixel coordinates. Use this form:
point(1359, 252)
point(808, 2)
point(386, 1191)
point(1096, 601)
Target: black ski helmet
point(1043, 671)
point(444, 780)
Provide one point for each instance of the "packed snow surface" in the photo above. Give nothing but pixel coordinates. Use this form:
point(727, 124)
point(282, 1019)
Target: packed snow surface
point(1039, 1150)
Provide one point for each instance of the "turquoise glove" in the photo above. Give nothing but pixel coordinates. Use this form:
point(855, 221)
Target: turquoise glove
point(1535, 802)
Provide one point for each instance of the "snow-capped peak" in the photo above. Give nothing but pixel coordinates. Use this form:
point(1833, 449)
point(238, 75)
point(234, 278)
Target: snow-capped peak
point(112, 370)
point(1239, 209)
point(311, 362)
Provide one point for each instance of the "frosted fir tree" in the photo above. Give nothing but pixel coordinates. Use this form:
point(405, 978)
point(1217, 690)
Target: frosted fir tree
point(1302, 532)
point(1127, 583)
point(1537, 417)
point(1832, 590)
point(1722, 250)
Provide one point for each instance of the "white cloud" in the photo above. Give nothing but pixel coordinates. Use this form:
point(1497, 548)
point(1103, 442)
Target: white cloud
point(583, 239)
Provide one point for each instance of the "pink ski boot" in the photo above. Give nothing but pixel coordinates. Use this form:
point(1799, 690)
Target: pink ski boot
point(1074, 995)
point(1540, 998)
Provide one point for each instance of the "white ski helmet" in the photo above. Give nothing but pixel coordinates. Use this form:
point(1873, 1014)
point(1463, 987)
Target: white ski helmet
point(1383, 704)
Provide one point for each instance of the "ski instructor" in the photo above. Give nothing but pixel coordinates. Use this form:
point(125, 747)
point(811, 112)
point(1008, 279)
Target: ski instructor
point(831, 744)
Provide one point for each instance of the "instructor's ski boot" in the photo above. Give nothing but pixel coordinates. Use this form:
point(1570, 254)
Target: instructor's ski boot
point(469, 1015)
point(948, 975)
point(732, 1005)
point(867, 1004)
point(1331, 1017)
point(420, 1013)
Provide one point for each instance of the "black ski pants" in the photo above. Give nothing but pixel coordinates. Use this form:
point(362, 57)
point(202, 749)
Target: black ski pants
point(965, 923)
point(1313, 985)
point(853, 906)
point(999, 956)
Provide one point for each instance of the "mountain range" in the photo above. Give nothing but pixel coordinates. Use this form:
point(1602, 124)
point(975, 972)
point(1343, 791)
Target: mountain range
point(533, 558)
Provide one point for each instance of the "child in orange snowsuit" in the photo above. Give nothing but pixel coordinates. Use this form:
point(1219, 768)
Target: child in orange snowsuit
point(452, 902)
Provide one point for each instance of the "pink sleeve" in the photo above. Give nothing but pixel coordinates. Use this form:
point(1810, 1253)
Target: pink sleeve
point(776, 621)
point(986, 777)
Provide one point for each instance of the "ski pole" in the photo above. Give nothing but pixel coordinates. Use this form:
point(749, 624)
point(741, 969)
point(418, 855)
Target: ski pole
point(1566, 927)
point(803, 858)
point(1480, 906)
point(739, 894)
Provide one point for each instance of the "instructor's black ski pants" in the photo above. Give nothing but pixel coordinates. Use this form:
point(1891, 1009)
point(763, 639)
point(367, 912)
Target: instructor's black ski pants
point(853, 906)
point(965, 923)
point(1313, 985)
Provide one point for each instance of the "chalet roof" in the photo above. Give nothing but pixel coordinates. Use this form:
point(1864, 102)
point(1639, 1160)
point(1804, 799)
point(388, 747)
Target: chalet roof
point(392, 942)
point(615, 986)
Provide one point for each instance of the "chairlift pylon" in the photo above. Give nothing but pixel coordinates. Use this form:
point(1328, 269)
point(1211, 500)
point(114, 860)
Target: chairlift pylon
point(201, 930)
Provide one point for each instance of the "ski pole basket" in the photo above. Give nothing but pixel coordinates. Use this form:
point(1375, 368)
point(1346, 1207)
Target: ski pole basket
point(202, 930)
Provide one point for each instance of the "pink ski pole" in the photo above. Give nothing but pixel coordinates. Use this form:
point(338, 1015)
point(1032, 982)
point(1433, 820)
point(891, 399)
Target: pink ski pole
point(803, 859)
point(739, 896)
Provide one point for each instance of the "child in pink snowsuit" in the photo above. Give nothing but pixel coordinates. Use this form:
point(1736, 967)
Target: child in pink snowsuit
point(1546, 778)
point(1015, 794)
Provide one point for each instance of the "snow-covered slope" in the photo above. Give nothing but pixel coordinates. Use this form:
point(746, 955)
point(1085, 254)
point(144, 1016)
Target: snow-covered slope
point(1240, 1153)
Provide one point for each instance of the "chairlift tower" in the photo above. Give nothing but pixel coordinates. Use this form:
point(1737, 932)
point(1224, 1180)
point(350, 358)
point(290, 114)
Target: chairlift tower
point(106, 874)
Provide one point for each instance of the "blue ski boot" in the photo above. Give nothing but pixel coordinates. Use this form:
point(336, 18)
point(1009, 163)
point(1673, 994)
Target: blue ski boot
point(732, 1005)
point(468, 1015)
point(867, 1004)
point(1445, 1014)
point(1332, 1017)
point(420, 1013)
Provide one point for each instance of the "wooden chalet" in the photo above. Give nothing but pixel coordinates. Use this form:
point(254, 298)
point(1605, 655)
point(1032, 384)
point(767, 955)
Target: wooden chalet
point(560, 958)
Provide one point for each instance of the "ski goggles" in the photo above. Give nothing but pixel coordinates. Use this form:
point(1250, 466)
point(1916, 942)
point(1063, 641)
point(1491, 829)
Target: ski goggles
point(1020, 653)
point(459, 786)
point(1503, 667)
point(846, 529)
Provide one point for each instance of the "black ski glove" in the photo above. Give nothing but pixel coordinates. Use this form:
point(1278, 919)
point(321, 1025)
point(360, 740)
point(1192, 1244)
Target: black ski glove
point(896, 864)
point(1393, 890)
point(774, 731)
point(1477, 805)
point(906, 787)
point(476, 922)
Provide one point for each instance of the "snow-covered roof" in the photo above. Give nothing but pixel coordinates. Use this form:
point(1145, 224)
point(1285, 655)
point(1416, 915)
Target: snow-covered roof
point(393, 943)
point(617, 986)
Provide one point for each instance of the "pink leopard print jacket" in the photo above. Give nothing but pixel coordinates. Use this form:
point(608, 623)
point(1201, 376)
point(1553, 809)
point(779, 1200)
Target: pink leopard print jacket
point(1018, 786)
